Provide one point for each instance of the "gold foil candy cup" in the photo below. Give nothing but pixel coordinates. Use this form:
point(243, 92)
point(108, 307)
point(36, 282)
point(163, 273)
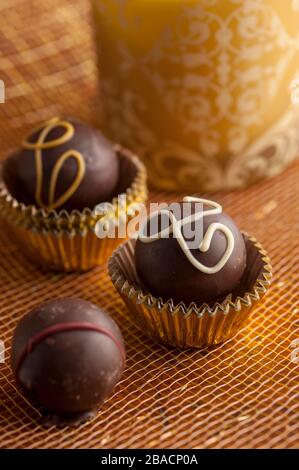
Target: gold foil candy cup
point(66, 241)
point(191, 326)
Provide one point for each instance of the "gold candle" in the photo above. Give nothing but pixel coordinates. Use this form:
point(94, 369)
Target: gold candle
point(201, 89)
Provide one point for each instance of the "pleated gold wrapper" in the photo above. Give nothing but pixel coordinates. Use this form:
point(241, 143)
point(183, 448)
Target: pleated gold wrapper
point(67, 241)
point(193, 326)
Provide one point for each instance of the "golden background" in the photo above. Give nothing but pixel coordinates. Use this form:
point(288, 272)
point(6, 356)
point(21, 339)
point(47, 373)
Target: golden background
point(196, 86)
point(240, 394)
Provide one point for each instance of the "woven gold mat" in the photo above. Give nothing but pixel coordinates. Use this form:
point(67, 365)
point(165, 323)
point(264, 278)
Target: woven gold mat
point(241, 394)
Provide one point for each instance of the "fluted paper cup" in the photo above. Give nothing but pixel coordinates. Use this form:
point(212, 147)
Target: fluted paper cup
point(194, 326)
point(67, 241)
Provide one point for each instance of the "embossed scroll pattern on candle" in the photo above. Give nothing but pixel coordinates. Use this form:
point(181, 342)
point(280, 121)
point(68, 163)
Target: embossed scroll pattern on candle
point(201, 88)
point(42, 144)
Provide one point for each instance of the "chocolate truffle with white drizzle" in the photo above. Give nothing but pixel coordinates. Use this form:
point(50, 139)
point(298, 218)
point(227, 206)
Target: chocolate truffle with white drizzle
point(171, 268)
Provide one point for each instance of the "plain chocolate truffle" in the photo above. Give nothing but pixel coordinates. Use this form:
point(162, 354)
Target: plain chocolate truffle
point(68, 354)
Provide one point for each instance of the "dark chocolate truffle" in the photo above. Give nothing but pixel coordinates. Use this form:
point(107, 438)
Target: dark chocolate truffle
point(204, 273)
point(64, 164)
point(68, 355)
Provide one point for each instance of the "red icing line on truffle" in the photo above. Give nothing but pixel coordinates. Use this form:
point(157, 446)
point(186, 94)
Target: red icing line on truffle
point(61, 328)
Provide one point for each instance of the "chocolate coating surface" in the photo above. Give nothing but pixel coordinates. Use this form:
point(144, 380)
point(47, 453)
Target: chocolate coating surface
point(166, 272)
point(64, 164)
point(68, 355)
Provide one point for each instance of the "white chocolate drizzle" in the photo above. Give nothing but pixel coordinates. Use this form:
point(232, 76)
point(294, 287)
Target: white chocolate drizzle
point(176, 229)
point(43, 144)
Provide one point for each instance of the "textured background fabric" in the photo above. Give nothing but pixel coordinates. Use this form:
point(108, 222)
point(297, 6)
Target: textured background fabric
point(240, 394)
